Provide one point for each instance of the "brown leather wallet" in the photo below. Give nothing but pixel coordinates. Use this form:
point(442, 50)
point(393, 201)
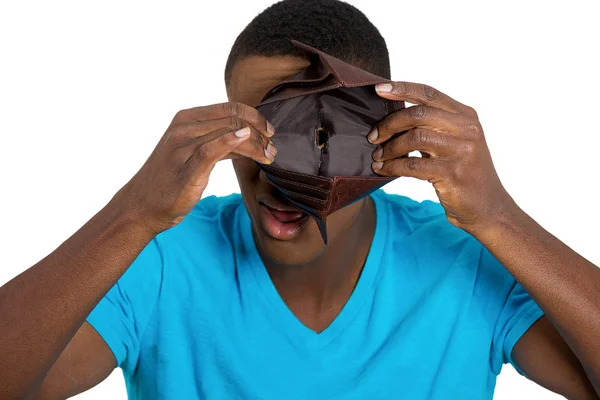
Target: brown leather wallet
point(322, 117)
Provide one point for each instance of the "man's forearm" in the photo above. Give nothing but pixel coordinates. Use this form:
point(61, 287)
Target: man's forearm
point(42, 308)
point(565, 285)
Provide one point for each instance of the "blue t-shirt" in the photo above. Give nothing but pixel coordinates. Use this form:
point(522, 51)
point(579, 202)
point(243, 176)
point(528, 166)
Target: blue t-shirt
point(196, 316)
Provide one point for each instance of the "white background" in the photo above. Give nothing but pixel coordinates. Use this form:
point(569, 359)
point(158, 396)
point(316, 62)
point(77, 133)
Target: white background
point(88, 88)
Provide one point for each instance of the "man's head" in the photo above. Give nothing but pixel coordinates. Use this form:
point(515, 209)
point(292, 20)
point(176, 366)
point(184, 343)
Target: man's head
point(262, 56)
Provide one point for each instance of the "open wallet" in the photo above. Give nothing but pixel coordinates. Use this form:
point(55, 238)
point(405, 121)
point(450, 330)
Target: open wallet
point(322, 117)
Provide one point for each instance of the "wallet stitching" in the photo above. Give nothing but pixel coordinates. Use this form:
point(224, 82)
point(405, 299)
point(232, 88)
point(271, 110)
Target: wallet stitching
point(366, 178)
point(362, 83)
point(325, 179)
point(324, 191)
point(330, 198)
point(321, 178)
point(291, 193)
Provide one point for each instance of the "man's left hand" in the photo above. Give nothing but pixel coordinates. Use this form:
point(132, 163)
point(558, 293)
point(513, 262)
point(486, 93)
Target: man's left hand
point(455, 156)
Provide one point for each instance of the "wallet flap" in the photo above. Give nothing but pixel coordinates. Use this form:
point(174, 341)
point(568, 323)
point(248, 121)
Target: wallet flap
point(306, 202)
point(348, 189)
point(322, 116)
point(321, 182)
point(324, 73)
point(299, 187)
point(347, 74)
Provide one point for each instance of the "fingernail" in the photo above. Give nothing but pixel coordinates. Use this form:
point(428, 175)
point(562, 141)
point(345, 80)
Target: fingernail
point(377, 165)
point(270, 151)
point(373, 135)
point(270, 129)
point(242, 132)
point(378, 153)
point(384, 87)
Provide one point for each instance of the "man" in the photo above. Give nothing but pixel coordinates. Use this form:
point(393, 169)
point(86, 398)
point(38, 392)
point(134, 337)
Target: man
point(238, 297)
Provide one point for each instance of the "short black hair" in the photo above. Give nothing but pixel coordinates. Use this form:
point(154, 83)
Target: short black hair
point(332, 26)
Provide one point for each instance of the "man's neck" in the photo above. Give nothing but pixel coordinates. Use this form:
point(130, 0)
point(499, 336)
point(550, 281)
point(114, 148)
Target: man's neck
point(317, 291)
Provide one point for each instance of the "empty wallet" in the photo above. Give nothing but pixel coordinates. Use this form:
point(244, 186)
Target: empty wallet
point(322, 117)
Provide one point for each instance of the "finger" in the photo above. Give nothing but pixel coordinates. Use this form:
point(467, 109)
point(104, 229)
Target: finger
point(195, 129)
point(208, 154)
point(422, 117)
point(256, 150)
point(428, 142)
point(428, 169)
point(257, 147)
point(230, 109)
point(418, 93)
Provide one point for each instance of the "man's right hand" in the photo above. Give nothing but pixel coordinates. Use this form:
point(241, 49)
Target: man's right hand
point(175, 175)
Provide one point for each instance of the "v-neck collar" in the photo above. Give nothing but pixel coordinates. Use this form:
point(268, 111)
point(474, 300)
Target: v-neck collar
point(253, 272)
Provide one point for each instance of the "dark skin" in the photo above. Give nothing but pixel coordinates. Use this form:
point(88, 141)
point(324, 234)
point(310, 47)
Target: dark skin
point(560, 351)
point(47, 351)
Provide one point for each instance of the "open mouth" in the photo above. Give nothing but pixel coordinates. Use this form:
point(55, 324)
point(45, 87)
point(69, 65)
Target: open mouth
point(285, 215)
point(282, 222)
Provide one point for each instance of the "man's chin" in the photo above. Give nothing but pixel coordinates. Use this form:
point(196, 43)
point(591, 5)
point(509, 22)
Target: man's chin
point(301, 248)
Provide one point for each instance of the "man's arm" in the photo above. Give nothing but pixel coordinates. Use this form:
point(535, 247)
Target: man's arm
point(562, 350)
point(84, 363)
point(457, 161)
point(545, 358)
point(43, 308)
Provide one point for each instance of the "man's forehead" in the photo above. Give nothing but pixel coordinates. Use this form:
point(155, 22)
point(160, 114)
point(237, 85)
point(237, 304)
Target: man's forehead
point(253, 76)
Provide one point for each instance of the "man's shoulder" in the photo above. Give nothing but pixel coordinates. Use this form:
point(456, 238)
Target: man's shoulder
point(423, 224)
point(212, 208)
point(210, 222)
point(425, 209)
point(412, 214)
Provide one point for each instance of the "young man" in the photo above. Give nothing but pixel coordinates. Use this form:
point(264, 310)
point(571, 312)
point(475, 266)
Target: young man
point(238, 297)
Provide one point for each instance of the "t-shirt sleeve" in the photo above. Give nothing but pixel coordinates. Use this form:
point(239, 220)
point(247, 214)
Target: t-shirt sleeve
point(517, 313)
point(122, 316)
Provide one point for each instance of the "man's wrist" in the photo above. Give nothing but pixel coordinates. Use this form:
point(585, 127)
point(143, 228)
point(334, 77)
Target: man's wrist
point(123, 215)
point(510, 220)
